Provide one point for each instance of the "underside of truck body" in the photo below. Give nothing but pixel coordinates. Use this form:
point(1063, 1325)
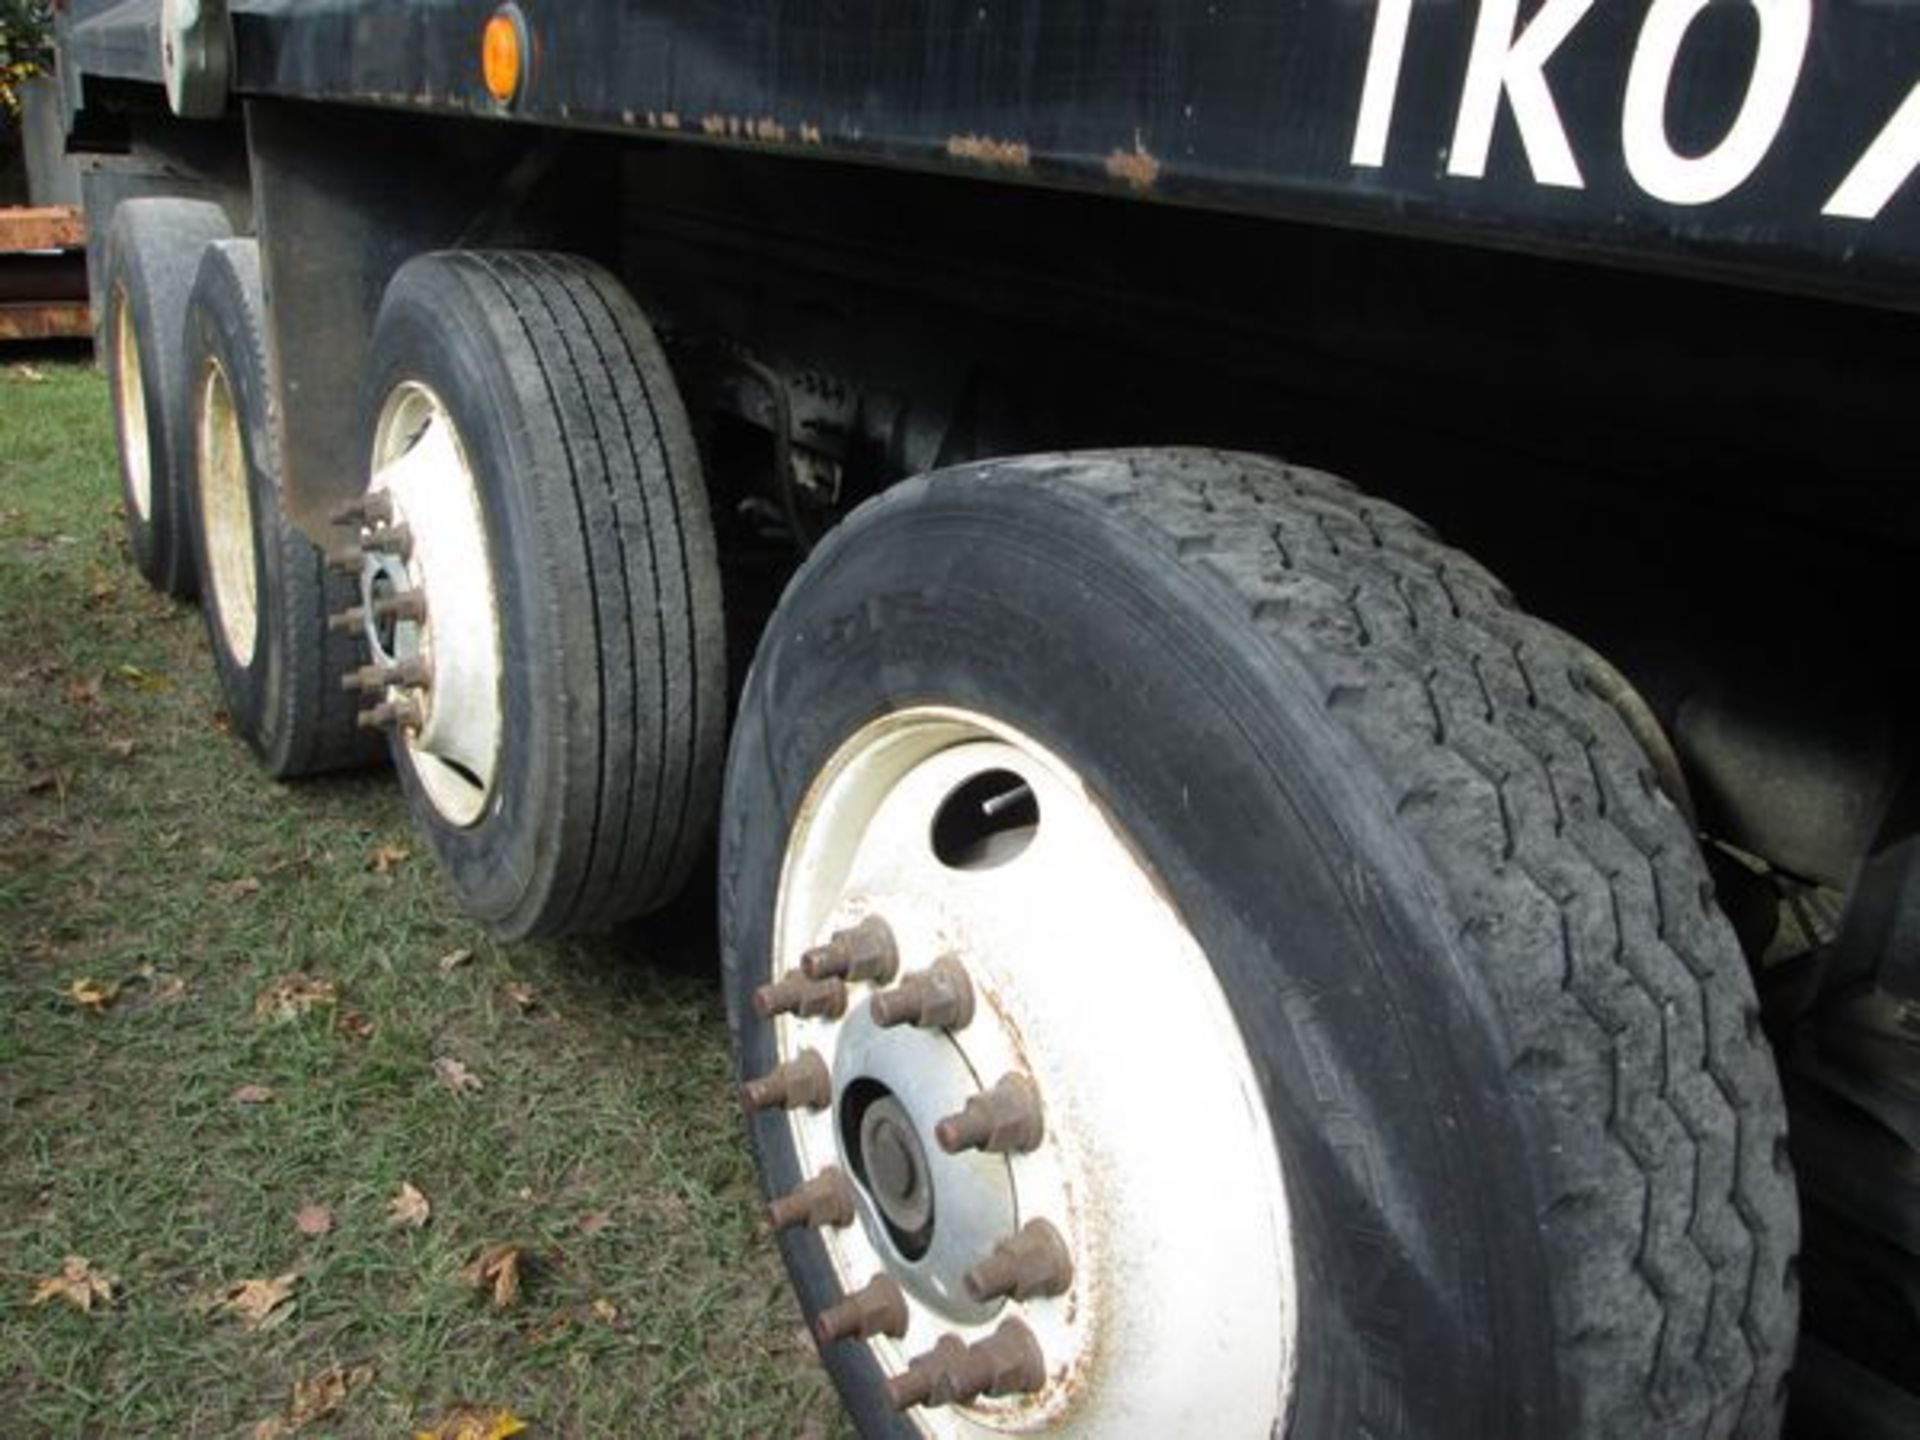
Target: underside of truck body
point(1620, 300)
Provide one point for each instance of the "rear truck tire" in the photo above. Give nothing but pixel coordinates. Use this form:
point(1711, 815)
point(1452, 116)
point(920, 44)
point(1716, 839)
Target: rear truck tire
point(1204, 963)
point(153, 255)
point(541, 588)
point(267, 590)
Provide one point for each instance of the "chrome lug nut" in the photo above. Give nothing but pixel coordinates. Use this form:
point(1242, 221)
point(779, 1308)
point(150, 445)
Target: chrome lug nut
point(1027, 1265)
point(794, 994)
point(939, 997)
point(877, 1308)
point(802, 1082)
point(864, 952)
point(1007, 1362)
point(827, 1199)
point(401, 713)
point(1004, 1120)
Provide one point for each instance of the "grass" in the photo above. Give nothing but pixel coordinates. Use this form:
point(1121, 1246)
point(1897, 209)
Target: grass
point(139, 846)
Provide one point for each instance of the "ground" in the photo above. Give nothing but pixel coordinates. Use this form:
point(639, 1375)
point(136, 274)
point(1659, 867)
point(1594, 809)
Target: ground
point(179, 1119)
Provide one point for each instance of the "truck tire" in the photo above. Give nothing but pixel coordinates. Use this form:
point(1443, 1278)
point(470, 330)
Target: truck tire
point(267, 590)
point(1365, 1029)
point(563, 758)
point(153, 254)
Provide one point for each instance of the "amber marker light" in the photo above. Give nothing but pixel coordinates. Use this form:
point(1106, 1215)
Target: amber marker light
point(503, 54)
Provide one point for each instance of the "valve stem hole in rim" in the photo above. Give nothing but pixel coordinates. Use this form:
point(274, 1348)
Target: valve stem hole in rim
point(987, 821)
point(890, 1163)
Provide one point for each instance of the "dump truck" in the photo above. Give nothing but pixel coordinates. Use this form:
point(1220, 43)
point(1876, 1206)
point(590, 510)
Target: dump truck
point(964, 481)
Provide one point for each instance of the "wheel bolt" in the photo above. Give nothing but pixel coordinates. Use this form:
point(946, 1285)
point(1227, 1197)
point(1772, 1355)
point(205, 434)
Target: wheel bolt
point(394, 540)
point(347, 620)
point(827, 1199)
point(1004, 1120)
point(801, 1081)
point(409, 672)
point(877, 1308)
point(373, 508)
point(1007, 1362)
point(794, 994)
point(407, 605)
point(939, 997)
point(1031, 1263)
point(403, 713)
point(347, 558)
point(865, 952)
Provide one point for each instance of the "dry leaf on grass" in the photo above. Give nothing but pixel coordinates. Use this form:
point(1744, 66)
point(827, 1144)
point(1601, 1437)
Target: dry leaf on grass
point(354, 1025)
point(474, 1422)
point(257, 1304)
point(103, 593)
point(252, 1095)
point(292, 996)
point(496, 1268)
point(241, 889)
point(26, 375)
point(455, 1076)
point(313, 1221)
point(596, 1222)
point(453, 960)
point(606, 1311)
point(315, 1398)
point(136, 678)
point(85, 693)
point(409, 1208)
point(122, 748)
point(523, 995)
point(93, 995)
point(386, 858)
point(78, 1283)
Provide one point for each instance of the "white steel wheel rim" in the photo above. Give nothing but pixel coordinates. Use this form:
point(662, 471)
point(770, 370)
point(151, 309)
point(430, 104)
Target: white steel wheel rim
point(226, 507)
point(1158, 1166)
point(420, 467)
point(130, 397)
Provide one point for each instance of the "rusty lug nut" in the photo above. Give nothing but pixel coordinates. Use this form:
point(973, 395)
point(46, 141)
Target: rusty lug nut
point(801, 1081)
point(939, 997)
point(394, 540)
point(373, 508)
point(1004, 1120)
point(827, 1199)
point(794, 994)
point(347, 558)
point(1007, 1362)
point(877, 1308)
point(403, 713)
point(864, 952)
point(408, 605)
point(410, 672)
point(1032, 1262)
point(347, 620)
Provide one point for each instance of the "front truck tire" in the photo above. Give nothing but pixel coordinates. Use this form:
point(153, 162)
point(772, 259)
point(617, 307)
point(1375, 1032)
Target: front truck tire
point(267, 591)
point(1521, 1164)
point(153, 256)
point(540, 590)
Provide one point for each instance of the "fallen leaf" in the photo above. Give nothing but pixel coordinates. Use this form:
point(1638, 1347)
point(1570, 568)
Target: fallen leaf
point(292, 996)
point(26, 375)
point(252, 1095)
point(593, 1224)
point(386, 857)
point(455, 1076)
point(44, 782)
point(103, 593)
point(409, 1208)
point(93, 995)
point(496, 1267)
point(85, 693)
point(474, 1422)
point(323, 1394)
point(234, 889)
point(138, 679)
point(521, 994)
point(122, 749)
point(453, 960)
point(257, 1304)
point(354, 1025)
point(78, 1283)
point(606, 1311)
point(313, 1221)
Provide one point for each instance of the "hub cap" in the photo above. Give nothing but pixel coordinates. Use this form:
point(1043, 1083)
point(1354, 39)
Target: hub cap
point(226, 505)
point(425, 489)
point(1160, 1290)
